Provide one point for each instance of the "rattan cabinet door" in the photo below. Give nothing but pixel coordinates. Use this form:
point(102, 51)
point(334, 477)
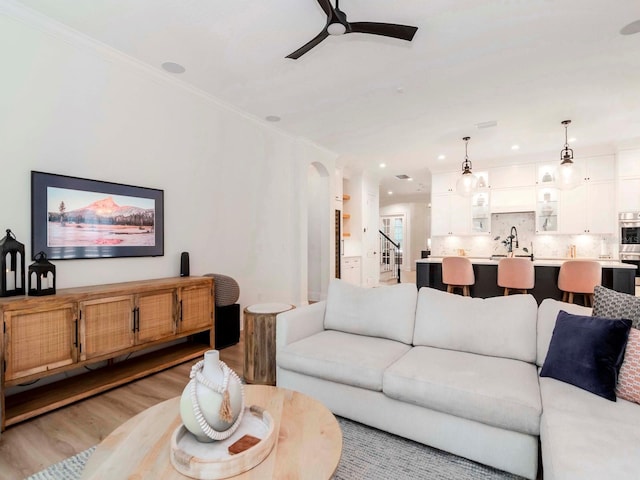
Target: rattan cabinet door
point(196, 308)
point(106, 326)
point(39, 340)
point(156, 314)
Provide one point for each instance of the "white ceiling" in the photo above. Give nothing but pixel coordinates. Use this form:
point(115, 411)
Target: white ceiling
point(527, 64)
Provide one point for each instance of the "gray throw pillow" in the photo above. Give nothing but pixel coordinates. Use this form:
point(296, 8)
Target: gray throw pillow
point(611, 304)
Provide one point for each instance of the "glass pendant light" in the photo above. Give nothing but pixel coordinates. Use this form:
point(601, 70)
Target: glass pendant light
point(467, 182)
point(567, 178)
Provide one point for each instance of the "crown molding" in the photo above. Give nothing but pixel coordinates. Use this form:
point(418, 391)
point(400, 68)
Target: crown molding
point(49, 26)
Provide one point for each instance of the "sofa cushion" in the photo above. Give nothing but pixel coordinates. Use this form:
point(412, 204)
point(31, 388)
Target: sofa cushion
point(547, 314)
point(495, 391)
point(385, 312)
point(629, 378)
point(611, 304)
point(342, 357)
point(587, 437)
point(498, 326)
point(587, 352)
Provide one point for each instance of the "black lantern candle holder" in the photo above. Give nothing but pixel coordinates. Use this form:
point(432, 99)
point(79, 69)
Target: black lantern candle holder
point(42, 276)
point(11, 266)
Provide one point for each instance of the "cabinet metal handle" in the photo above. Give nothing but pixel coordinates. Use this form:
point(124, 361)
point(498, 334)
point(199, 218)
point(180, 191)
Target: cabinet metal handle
point(75, 336)
point(136, 319)
point(181, 310)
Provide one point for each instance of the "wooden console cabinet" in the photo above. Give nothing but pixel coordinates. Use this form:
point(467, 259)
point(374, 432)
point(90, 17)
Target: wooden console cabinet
point(45, 336)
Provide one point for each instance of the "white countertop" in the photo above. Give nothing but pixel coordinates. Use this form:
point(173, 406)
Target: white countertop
point(540, 262)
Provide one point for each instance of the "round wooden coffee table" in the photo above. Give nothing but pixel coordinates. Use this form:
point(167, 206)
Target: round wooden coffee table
point(309, 441)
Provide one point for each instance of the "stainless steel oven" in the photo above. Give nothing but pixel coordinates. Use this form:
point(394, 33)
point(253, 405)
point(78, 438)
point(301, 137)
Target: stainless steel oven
point(629, 224)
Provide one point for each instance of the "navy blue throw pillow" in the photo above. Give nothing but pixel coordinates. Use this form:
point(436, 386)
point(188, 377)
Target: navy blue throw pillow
point(587, 352)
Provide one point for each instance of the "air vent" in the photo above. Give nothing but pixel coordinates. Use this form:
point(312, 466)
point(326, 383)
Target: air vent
point(403, 177)
point(490, 124)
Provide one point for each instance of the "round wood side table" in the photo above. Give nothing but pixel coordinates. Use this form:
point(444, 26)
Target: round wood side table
point(260, 342)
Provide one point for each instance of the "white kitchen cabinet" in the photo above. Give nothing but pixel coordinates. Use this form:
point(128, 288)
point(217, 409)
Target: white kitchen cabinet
point(597, 169)
point(351, 270)
point(522, 199)
point(629, 194)
point(440, 212)
point(450, 214)
point(446, 182)
point(629, 163)
point(513, 176)
point(588, 208)
point(586, 169)
point(443, 182)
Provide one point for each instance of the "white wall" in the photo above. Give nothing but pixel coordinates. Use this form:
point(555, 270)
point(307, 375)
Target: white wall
point(235, 188)
point(416, 228)
point(320, 228)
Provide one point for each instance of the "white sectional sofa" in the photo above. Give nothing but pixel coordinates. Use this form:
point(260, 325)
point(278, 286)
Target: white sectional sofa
point(583, 436)
point(457, 373)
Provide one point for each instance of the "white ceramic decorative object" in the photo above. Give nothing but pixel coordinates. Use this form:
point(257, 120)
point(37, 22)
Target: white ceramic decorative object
point(212, 403)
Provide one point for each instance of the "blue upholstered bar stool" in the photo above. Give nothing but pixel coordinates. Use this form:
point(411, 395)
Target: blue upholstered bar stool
point(457, 272)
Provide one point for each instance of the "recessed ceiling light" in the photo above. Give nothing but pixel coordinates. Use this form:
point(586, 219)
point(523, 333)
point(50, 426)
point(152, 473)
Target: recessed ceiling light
point(515, 147)
point(272, 118)
point(172, 67)
point(409, 179)
point(441, 157)
point(633, 27)
point(383, 165)
point(389, 192)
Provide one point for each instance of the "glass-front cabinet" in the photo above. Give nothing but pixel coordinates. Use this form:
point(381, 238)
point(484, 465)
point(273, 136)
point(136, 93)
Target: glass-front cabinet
point(547, 210)
point(480, 212)
point(546, 175)
point(480, 216)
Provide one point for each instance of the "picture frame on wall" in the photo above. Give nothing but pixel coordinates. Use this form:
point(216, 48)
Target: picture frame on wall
point(78, 218)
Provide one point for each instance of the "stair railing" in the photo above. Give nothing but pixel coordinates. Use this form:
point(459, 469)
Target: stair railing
point(390, 256)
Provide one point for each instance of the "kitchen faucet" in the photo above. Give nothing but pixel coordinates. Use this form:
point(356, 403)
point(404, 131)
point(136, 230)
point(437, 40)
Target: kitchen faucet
point(508, 242)
point(514, 232)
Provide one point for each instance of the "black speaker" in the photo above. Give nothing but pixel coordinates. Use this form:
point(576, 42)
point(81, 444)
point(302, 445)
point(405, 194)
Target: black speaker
point(184, 264)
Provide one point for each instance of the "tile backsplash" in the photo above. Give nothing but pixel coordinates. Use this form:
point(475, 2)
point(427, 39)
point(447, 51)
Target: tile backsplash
point(544, 245)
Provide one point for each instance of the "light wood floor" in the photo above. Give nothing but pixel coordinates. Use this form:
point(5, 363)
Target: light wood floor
point(28, 447)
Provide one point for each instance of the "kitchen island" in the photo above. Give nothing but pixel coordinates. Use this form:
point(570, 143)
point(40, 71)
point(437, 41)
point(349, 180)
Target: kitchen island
point(615, 275)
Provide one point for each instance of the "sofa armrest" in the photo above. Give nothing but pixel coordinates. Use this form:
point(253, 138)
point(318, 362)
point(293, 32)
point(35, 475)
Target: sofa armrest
point(296, 324)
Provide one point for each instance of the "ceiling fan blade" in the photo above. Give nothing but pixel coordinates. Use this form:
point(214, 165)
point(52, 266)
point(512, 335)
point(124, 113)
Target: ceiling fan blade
point(309, 45)
point(403, 32)
point(326, 6)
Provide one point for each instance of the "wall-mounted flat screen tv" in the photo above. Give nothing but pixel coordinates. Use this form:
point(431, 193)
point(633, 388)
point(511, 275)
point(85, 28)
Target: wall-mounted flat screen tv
point(80, 218)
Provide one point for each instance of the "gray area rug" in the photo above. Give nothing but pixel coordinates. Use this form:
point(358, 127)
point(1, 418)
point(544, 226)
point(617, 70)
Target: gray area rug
point(68, 469)
point(368, 454)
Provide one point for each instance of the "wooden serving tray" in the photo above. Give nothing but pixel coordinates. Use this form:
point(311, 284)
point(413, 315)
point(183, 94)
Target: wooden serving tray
point(212, 461)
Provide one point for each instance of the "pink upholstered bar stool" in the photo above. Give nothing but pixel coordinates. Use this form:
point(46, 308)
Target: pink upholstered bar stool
point(457, 272)
point(579, 276)
point(516, 274)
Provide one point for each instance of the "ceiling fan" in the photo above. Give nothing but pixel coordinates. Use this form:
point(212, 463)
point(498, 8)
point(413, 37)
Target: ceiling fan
point(337, 25)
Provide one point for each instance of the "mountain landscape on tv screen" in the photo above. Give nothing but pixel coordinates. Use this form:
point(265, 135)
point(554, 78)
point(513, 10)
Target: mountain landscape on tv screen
point(102, 222)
